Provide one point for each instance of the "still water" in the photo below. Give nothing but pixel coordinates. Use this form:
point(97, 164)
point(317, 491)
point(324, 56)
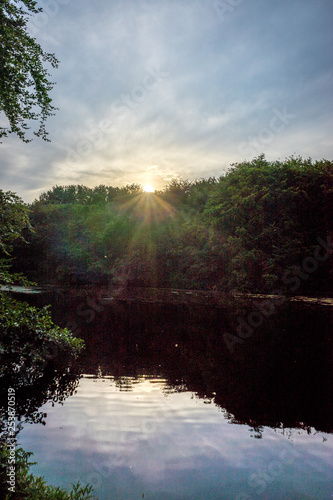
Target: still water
point(138, 438)
point(159, 408)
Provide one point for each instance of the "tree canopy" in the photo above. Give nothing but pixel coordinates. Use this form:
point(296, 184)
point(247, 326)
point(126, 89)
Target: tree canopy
point(249, 230)
point(14, 218)
point(24, 81)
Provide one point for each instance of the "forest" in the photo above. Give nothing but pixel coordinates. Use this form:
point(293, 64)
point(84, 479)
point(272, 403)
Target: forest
point(257, 228)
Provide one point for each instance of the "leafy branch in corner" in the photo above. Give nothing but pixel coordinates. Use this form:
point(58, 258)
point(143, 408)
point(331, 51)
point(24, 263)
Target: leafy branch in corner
point(24, 81)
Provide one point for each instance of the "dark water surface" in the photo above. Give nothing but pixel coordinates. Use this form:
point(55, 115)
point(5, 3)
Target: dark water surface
point(159, 406)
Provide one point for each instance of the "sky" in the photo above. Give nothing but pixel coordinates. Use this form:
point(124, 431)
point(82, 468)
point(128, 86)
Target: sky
point(153, 90)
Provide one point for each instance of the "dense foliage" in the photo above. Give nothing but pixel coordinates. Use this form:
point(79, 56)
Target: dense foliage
point(30, 486)
point(29, 340)
point(26, 333)
point(14, 218)
point(247, 230)
point(24, 83)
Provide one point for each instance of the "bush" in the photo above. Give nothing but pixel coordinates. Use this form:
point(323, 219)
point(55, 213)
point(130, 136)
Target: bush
point(33, 487)
point(29, 339)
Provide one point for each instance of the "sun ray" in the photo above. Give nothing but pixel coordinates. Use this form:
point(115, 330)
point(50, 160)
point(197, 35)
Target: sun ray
point(149, 211)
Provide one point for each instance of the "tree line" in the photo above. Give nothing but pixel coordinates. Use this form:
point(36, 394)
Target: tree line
point(243, 231)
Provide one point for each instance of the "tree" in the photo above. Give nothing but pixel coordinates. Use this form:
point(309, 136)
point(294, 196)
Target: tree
point(271, 214)
point(26, 328)
point(14, 218)
point(24, 84)
point(176, 192)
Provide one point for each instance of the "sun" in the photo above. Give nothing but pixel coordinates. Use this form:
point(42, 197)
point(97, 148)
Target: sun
point(148, 188)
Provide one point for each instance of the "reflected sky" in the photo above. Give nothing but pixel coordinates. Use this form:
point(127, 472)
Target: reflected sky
point(136, 437)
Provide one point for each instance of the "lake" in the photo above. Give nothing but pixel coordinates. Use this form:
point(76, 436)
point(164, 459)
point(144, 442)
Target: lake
point(160, 407)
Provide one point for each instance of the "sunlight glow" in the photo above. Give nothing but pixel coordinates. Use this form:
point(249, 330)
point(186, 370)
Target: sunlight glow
point(148, 188)
point(149, 211)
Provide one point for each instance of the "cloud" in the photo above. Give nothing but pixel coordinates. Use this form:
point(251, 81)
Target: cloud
point(218, 80)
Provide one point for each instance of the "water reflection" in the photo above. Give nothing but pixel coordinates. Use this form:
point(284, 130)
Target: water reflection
point(280, 377)
point(171, 446)
point(165, 410)
point(54, 386)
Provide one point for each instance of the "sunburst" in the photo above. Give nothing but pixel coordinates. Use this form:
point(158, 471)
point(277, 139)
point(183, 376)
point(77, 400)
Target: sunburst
point(148, 188)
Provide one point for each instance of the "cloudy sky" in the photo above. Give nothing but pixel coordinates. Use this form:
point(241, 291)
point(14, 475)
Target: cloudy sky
point(150, 90)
